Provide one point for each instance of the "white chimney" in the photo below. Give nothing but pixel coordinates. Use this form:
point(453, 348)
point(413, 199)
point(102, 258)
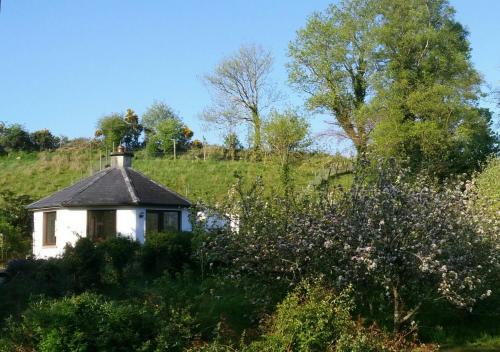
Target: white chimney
point(121, 158)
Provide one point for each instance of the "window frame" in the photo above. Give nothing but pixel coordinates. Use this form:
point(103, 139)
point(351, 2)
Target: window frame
point(160, 213)
point(45, 242)
point(95, 237)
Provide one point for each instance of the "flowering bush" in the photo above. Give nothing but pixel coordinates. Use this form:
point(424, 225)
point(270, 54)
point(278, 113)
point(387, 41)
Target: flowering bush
point(418, 242)
point(392, 234)
point(267, 238)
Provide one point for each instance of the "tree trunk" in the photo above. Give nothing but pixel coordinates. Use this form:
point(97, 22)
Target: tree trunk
point(400, 315)
point(356, 133)
point(360, 145)
point(257, 126)
point(397, 309)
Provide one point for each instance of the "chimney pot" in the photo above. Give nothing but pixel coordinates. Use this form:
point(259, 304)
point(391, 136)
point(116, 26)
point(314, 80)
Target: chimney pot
point(121, 158)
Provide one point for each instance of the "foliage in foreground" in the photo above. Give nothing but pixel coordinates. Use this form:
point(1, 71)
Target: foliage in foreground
point(15, 226)
point(402, 242)
point(314, 318)
point(90, 322)
point(226, 283)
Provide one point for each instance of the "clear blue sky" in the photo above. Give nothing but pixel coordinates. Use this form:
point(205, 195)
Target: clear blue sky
point(64, 64)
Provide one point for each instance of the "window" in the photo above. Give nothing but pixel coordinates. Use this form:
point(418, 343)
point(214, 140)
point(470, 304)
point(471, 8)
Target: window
point(49, 228)
point(162, 220)
point(171, 220)
point(152, 221)
point(101, 224)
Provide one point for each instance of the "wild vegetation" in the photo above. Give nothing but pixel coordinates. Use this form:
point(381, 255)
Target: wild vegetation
point(22, 173)
point(329, 256)
point(396, 249)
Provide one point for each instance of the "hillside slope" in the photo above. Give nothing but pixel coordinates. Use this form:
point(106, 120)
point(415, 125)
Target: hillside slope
point(40, 174)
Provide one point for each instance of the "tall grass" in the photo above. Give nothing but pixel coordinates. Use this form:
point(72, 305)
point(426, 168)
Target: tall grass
point(40, 174)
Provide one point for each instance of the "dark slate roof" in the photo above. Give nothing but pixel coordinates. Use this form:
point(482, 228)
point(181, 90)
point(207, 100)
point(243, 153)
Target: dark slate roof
point(113, 187)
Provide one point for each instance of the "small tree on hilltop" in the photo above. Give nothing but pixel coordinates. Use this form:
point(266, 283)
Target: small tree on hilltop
point(113, 129)
point(15, 138)
point(232, 145)
point(164, 128)
point(134, 130)
point(45, 140)
point(286, 133)
point(241, 90)
point(157, 112)
point(118, 128)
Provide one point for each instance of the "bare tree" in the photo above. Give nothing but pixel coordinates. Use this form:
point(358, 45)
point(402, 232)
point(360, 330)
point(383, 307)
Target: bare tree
point(241, 90)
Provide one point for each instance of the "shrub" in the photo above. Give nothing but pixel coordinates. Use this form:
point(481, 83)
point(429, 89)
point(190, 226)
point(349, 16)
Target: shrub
point(311, 318)
point(176, 332)
point(315, 318)
point(15, 226)
point(90, 322)
point(29, 278)
point(168, 251)
point(81, 323)
point(85, 262)
point(120, 252)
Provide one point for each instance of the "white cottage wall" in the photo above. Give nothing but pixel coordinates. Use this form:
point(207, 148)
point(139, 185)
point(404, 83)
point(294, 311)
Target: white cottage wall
point(130, 223)
point(70, 225)
point(185, 221)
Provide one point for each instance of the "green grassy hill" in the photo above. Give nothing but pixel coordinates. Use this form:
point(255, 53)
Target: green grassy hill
point(40, 174)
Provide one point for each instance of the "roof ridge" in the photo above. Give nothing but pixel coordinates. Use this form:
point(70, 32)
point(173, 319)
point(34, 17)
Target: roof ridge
point(161, 186)
point(104, 173)
point(129, 184)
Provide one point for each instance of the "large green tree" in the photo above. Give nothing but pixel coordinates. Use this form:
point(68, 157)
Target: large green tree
point(430, 90)
point(335, 62)
point(396, 75)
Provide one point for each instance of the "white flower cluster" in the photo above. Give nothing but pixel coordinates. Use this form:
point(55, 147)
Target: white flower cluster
point(409, 239)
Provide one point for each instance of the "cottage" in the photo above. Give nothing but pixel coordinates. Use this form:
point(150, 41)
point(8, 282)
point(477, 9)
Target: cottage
point(115, 201)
